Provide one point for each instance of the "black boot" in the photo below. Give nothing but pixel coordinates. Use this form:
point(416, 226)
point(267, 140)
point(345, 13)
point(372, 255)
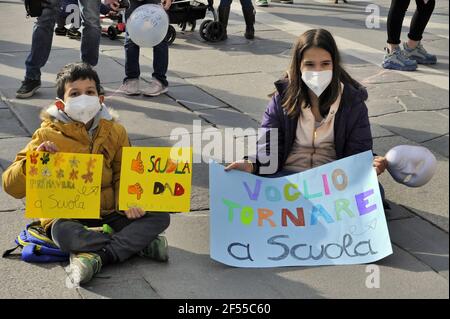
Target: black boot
point(249, 16)
point(224, 13)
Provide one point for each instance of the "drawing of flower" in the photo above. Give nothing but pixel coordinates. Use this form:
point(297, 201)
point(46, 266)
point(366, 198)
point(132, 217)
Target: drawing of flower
point(91, 164)
point(45, 158)
point(46, 172)
point(33, 171)
point(33, 158)
point(60, 173)
point(74, 162)
point(87, 177)
point(59, 159)
point(73, 174)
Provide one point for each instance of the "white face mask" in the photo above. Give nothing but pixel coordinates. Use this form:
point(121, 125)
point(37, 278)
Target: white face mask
point(412, 166)
point(317, 81)
point(82, 108)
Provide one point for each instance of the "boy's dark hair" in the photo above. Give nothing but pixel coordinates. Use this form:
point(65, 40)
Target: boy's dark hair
point(72, 72)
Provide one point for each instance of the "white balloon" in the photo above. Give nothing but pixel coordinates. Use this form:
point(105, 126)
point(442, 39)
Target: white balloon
point(412, 166)
point(148, 24)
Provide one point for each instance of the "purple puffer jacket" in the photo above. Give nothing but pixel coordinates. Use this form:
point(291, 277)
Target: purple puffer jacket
point(352, 133)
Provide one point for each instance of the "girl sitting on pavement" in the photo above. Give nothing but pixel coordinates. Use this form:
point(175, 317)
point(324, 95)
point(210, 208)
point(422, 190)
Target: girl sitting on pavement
point(317, 112)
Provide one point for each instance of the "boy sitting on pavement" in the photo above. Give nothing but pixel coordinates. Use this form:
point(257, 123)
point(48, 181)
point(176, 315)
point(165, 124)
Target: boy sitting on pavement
point(78, 122)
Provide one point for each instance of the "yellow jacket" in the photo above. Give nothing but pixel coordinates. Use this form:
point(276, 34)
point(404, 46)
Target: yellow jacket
point(108, 140)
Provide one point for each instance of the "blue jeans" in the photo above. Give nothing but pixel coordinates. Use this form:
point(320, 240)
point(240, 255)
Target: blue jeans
point(42, 38)
point(160, 54)
point(244, 3)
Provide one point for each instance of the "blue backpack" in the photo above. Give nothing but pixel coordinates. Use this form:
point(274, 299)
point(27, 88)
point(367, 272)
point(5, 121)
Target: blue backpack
point(36, 246)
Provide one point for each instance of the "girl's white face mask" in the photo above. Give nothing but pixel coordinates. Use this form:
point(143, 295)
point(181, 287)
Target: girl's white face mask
point(82, 108)
point(317, 81)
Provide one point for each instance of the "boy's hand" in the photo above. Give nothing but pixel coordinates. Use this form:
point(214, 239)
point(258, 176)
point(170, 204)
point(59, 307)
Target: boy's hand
point(166, 4)
point(380, 163)
point(134, 213)
point(47, 146)
point(241, 165)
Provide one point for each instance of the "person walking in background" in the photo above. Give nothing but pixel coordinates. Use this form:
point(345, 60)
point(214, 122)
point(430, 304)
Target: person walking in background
point(413, 52)
point(249, 15)
point(73, 32)
point(42, 38)
point(159, 83)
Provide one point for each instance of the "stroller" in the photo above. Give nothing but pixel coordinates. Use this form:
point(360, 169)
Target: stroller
point(118, 20)
point(185, 13)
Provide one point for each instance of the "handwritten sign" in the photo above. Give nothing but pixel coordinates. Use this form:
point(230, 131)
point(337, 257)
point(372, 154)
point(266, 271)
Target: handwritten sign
point(63, 185)
point(156, 179)
point(329, 215)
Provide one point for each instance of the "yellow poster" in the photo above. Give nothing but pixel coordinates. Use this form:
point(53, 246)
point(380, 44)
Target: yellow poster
point(156, 179)
point(63, 185)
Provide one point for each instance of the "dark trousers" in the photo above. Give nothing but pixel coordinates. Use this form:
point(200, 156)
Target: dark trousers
point(130, 236)
point(244, 3)
point(42, 38)
point(418, 23)
point(160, 54)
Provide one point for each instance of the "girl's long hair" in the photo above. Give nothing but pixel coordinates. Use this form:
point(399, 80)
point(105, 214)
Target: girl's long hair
point(296, 95)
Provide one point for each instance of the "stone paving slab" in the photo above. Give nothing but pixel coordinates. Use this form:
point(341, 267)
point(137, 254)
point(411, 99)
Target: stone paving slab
point(247, 93)
point(372, 74)
point(397, 212)
point(9, 126)
point(7, 202)
point(23, 280)
point(439, 145)
point(379, 131)
point(410, 89)
point(426, 201)
point(28, 110)
point(193, 98)
point(228, 118)
point(10, 147)
point(418, 103)
point(415, 126)
point(3, 105)
point(423, 240)
point(151, 117)
point(382, 106)
point(402, 276)
point(146, 67)
point(13, 66)
point(128, 288)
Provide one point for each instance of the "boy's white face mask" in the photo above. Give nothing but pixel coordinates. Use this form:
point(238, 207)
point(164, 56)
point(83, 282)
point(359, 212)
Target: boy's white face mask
point(317, 81)
point(412, 166)
point(82, 108)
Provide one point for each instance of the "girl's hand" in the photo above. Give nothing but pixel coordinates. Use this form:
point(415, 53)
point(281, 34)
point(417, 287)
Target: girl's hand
point(134, 213)
point(380, 163)
point(47, 146)
point(241, 165)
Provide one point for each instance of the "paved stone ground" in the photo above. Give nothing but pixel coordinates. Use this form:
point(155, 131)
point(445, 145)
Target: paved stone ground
point(226, 85)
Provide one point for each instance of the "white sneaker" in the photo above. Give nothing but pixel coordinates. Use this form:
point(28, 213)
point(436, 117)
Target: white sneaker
point(262, 3)
point(155, 88)
point(130, 87)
